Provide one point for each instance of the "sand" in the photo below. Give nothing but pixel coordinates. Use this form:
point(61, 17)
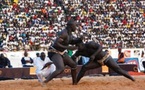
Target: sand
point(86, 83)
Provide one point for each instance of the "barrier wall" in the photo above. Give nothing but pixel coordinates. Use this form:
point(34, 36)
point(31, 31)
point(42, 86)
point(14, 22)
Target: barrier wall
point(29, 73)
point(131, 54)
point(15, 57)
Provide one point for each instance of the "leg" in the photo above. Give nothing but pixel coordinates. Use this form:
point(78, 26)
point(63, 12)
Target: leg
point(143, 63)
point(85, 68)
point(58, 61)
point(40, 76)
point(48, 71)
point(68, 61)
point(114, 66)
point(74, 74)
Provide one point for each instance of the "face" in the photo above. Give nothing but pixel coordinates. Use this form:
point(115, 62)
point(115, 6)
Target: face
point(72, 25)
point(37, 54)
point(42, 56)
point(25, 54)
point(2, 56)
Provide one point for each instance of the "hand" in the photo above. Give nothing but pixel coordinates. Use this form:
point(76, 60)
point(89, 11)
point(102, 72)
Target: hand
point(62, 53)
point(28, 61)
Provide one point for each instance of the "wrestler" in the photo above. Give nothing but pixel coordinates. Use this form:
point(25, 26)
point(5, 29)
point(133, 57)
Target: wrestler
point(57, 54)
point(97, 59)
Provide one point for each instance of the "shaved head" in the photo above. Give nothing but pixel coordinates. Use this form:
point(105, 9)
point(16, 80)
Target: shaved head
point(71, 24)
point(71, 21)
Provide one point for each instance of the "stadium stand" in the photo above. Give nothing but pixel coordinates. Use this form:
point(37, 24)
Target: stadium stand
point(33, 24)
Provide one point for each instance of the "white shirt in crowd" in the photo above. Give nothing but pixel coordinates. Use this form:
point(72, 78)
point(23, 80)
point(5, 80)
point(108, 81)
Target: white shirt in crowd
point(39, 64)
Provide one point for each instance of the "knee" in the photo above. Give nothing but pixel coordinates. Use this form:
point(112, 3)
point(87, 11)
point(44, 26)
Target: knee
point(84, 68)
point(74, 65)
point(39, 73)
point(59, 70)
point(53, 67)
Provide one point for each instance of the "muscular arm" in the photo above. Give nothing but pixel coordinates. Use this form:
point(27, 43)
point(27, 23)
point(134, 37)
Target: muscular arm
point(96, 47)
point(62, 42)
point(75, 41)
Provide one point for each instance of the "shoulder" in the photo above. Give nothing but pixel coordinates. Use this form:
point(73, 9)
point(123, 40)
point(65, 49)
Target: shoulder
point(47, 58)
point(63, 32)
point(92, 44)
point(22, 58)
point(62, 35)
point(36, 58)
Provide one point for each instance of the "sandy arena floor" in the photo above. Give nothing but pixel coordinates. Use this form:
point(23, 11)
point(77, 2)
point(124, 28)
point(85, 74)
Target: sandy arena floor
point(86, 83)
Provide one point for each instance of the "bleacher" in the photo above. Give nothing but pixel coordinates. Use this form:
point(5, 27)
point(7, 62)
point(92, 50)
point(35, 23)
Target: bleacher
point(114, 24)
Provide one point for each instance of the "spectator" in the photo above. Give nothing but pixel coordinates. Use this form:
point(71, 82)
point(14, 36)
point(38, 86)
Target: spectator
point(37, 55)
point(143, 63)
point(4, 62)
point(112, 21)
point(83, 60)
point(44, 67)
point(26, 60)
point(121, 58)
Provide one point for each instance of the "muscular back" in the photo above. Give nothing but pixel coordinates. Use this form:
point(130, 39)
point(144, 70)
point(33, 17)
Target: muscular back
point(89, 49)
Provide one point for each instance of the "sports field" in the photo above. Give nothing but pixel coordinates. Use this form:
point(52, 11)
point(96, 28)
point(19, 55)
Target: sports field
point(86, 83)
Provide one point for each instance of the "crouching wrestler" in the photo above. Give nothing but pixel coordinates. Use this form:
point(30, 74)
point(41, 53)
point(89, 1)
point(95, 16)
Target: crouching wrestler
point(98, 57)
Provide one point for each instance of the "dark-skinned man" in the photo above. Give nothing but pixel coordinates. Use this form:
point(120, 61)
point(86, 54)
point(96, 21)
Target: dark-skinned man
point(57, 52)
point(98, 57)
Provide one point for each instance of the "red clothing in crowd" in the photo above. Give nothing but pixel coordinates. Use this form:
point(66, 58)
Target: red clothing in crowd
point(144, 14)
point(124, 22)
point(15, 5)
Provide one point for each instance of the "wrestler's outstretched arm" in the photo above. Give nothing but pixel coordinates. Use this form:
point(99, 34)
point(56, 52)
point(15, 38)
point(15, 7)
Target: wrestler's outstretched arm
point(96, 47)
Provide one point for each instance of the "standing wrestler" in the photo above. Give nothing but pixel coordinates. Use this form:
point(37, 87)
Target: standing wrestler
point(57, 54)
point(97, 59)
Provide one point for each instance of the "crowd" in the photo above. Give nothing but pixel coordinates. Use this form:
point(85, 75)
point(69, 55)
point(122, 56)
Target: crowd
point(33, 24)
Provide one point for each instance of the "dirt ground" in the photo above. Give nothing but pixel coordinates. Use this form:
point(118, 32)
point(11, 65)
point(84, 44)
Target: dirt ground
point(86, 83)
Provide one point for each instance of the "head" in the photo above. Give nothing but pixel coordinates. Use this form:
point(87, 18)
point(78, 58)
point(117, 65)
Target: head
point(25, 53)
point(37, 54)
point(42, 55)
point(80, 45)
point(2, 55)
point(71, 24)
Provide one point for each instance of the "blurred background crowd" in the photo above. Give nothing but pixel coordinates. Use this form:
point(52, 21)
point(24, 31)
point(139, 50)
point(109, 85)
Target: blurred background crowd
point(33, 24)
